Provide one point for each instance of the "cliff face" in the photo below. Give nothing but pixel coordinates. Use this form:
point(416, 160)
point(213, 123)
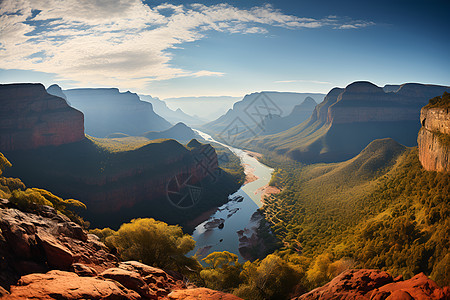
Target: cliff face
point(434, 139)
point(108, 111)
point(31, 118)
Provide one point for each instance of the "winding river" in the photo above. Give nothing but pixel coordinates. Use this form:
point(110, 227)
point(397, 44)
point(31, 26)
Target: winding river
point(236, 213)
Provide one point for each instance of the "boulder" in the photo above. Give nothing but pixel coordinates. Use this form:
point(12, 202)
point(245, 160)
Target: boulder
point(130, 280)
point(200, 293)
point(66, 285)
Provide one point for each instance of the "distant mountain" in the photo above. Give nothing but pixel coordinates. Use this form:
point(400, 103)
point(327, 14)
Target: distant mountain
point(179, 132)
point(207, 108)
point(251, 112)
point(173, 116)
point(56, 90)
point(349, 119)
point(275, 123)
point(107, 111)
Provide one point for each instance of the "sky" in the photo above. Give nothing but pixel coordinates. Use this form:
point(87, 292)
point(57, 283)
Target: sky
point(213, 48)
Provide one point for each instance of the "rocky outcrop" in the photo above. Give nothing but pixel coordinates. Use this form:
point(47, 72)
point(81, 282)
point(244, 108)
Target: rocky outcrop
point(108, 111)
point(31, 118)
point(377, 285)
point(43, 255)
point(434, 139)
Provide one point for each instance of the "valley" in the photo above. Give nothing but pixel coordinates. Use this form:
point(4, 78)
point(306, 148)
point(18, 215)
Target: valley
point(234, 150)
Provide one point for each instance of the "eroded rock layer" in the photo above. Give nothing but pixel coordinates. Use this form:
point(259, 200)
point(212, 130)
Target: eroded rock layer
point(434, 139)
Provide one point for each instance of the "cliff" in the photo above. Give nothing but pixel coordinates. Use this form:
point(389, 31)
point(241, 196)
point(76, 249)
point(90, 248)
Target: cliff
point(434, 136)
point(46, 256)
point(108, 111)
point(349, 119)
point(31, 118)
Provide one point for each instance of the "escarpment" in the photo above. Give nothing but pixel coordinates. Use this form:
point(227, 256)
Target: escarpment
point(31, 118)
point(434, 136)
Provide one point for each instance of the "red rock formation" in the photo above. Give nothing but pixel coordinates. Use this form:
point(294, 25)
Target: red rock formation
point(434, 139)
point(377, 285)
point(31, 118)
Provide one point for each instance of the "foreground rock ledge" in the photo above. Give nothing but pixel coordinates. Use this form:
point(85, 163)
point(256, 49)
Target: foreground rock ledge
point(377, 285)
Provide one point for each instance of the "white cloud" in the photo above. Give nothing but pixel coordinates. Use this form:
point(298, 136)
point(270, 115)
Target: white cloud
point(125, 43)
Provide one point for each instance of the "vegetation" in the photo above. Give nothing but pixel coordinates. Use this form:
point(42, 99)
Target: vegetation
point(152, 242)
point(442, 101)
point(30, 199)
point(379, 210)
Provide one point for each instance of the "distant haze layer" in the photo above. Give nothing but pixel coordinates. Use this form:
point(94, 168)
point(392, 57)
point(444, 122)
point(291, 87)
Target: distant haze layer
point(209, 108)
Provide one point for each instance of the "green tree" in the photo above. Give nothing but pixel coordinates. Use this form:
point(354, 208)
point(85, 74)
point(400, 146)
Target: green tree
point(222, 272)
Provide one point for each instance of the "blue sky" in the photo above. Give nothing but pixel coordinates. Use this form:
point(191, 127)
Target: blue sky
point(211, 48)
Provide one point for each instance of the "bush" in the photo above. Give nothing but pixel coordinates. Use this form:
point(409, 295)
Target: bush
point(223, 271)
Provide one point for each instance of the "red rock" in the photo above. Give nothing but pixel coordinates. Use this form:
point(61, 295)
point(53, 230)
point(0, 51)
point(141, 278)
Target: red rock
point(66, 285)
point(434, 153)
point(418, 287)
point(200, 294)
point(58, 256)
point(83, 270)
point(377, 285)
point(130, 280)
point(32, 118)
point(354, 284)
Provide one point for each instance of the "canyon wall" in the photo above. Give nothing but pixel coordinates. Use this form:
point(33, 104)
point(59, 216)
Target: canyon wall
point(31, 118)
point(434, 139)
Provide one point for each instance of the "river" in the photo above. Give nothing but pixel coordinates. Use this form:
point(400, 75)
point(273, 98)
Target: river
point(236, 214)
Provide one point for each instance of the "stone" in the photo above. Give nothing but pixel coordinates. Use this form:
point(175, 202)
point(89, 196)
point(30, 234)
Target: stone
point(83, 270)
point(200, 294)
point(368, 284)
point(67, 285)
point(58, 256)
point(128, 279)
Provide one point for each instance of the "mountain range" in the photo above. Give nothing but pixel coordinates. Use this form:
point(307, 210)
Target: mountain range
point(350, 118)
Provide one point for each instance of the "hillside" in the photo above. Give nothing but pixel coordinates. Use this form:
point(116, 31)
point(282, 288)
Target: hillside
point(379, 210)
point(120, 181)
point(108, 111)
point(349, 119)
point(251, 111)
point(179, 132)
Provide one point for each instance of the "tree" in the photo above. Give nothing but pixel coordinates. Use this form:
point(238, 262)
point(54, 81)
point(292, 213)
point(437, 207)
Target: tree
point(155, 243)
point(223, 271)
point(4, 163)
